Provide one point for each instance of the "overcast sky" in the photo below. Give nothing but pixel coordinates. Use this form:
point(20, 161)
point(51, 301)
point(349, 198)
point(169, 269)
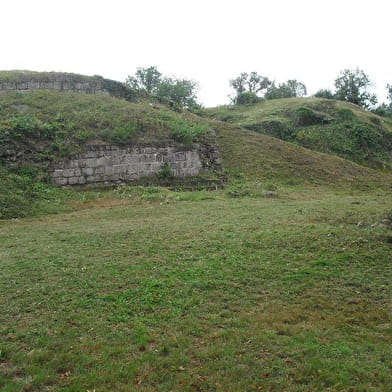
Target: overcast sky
point(209, 41)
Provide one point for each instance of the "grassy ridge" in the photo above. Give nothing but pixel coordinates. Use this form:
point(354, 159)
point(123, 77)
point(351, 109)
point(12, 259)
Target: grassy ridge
point(43, 125)
point(251, 156)
point(39, 126)
point(323, 125)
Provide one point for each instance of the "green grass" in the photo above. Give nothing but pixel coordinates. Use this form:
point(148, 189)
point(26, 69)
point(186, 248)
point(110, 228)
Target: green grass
point(253, 156)
point(44, 125)
point(323, 125)
point(26, 76)
point(163, 291)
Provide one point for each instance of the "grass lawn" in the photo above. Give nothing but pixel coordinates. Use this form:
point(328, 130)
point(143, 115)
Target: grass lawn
point(200, 292)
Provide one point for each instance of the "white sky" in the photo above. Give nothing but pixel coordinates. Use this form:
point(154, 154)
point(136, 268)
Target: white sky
point(209, 41)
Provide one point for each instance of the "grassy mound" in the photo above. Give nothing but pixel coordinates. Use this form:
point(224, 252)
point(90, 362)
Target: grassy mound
point(39, 126)
point(254, 156)
point(323, 125)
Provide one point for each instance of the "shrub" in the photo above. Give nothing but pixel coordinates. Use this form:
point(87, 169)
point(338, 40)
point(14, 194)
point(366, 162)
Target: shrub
point(304, 116)
point(273, 128)
point(123, 134)
point(247, 98)
point(165, 172)
point(324, 93)
point(186, 132)
point(21, 195)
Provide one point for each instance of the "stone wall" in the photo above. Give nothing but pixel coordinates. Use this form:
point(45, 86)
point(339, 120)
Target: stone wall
point(114, 164)
point(60, 85)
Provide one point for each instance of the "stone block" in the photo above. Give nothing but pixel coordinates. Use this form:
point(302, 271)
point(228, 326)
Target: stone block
point(88, 171)
point(68, 172)
point(92, 162)
point(91, 179)
point(108, 170)
point(99, 170)
point(57, 173)
point(119, 169)
point(90, 154)
point(104, 161)
point(60, 181)
point(73, 180)
point(73, 163)
point(180, 156)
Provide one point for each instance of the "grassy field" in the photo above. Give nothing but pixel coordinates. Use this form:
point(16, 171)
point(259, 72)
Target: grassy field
point(165, 291)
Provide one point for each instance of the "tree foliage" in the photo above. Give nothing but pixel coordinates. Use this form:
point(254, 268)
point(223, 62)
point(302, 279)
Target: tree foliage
point(252, 83)
point(324, 93)
point(292, 88)
point(389, 96)
point(147, 79)
point(179, 93)
point(385, 109)
point(353, 86)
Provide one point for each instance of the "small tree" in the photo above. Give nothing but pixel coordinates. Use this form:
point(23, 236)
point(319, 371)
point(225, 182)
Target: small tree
point(389, 96)
point(252, 83)
point(247, 98)
point(147, 79)
point(324, 93)
point(180, 93)
point(353, 86)
point(292, 88)
point(385, 109)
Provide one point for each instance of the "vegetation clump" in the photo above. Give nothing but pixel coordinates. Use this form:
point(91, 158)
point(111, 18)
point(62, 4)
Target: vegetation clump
point(304, 116)
point(177, 93)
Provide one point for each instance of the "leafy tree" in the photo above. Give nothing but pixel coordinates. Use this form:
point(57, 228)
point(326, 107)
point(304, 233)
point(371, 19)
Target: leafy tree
point(179, 93)
point(385, 109)
point(292, 88)
point(147, 79)
point(389, 96)
point(353, 86)
point(249, 83)
point(324, 93)
point(247, 98)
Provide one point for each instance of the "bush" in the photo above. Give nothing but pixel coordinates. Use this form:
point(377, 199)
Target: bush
point(123, 134)
point(21, 195)
point(304, 116)
point(165, 172)
point(186, 132)
point(247, 98)
point(273, 128)
point(324, 93)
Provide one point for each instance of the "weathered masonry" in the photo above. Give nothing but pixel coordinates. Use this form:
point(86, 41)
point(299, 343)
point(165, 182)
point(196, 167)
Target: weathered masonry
point(59, 85)
point(111, 163)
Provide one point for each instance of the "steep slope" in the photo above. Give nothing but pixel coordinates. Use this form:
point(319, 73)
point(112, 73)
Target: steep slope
point(256, 156)
point(39, 126)
point(323, 125)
